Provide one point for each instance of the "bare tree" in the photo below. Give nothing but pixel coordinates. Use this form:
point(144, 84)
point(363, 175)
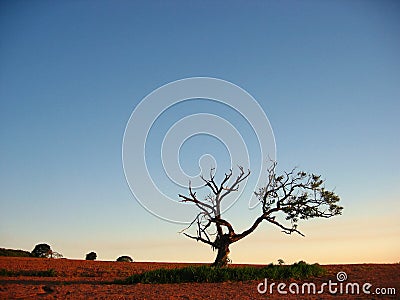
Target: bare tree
point(284, 200)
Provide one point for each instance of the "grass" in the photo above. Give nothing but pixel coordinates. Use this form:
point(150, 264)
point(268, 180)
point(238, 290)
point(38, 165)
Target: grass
point(298, 270)
point(33, 273)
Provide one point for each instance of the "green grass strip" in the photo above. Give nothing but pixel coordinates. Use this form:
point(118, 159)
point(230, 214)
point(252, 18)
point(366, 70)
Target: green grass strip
point(300, 270)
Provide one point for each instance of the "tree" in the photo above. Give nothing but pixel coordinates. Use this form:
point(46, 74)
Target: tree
point(285, 200)
point(54, 254)
point(91, 256)
point(124, 258)
point(42, 250)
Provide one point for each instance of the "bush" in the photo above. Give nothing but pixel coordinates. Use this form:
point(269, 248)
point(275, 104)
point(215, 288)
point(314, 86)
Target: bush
point(91, 256)
point(125, 259)
point(41, 250)
point(300, 270)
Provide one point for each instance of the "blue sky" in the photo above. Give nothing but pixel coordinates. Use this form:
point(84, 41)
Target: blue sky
point(326, 73)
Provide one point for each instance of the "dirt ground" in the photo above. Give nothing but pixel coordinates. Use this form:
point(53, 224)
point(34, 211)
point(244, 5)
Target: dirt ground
point(80, 279)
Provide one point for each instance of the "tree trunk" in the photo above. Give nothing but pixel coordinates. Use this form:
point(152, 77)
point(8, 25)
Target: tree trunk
point(222, 256)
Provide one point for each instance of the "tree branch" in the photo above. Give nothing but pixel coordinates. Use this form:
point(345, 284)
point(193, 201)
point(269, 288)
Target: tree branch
point(235, 186)
point(197, 238)
point(284, 229)
point(225, 223)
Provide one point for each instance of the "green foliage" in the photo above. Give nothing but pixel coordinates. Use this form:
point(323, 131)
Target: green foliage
point(298, 270)
point(299, 196)
point(14, 253)
point(41, 250)
point(91, 256)
point(33, 273)
point(124, 258)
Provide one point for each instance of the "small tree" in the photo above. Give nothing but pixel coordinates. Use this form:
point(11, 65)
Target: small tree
point(42, 250)
point(55, 254)
point(124, 258)
point(285, 199)
point(91, 256)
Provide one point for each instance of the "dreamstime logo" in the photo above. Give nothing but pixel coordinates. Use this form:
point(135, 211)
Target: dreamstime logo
point(341, 287)
point(341, 276)
point(235, 125)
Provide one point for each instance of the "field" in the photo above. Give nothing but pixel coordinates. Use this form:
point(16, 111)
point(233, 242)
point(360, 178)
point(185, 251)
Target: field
point(31, 278)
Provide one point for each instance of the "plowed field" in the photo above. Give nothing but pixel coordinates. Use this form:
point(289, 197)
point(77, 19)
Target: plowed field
point(80, 279)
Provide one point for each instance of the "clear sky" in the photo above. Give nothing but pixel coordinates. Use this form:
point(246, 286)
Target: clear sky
point(326, 73)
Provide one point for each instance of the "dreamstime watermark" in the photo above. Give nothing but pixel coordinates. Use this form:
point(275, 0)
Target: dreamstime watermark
point(147, 117)
point(339, 287)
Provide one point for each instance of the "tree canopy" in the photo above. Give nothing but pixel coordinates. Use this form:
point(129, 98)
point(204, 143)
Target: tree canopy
point(91, 256)
point(42, 250)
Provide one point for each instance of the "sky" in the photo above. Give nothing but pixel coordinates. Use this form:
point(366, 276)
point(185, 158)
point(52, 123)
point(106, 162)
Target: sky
point(325, 73)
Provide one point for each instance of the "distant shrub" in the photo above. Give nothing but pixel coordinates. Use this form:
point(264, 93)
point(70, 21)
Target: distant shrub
point(300, 270)
point(91, 256)
point(125, 259)
point(13, 252)
point(41, 250)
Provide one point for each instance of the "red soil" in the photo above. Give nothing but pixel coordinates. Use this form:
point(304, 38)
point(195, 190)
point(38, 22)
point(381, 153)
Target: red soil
point(80, 279)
